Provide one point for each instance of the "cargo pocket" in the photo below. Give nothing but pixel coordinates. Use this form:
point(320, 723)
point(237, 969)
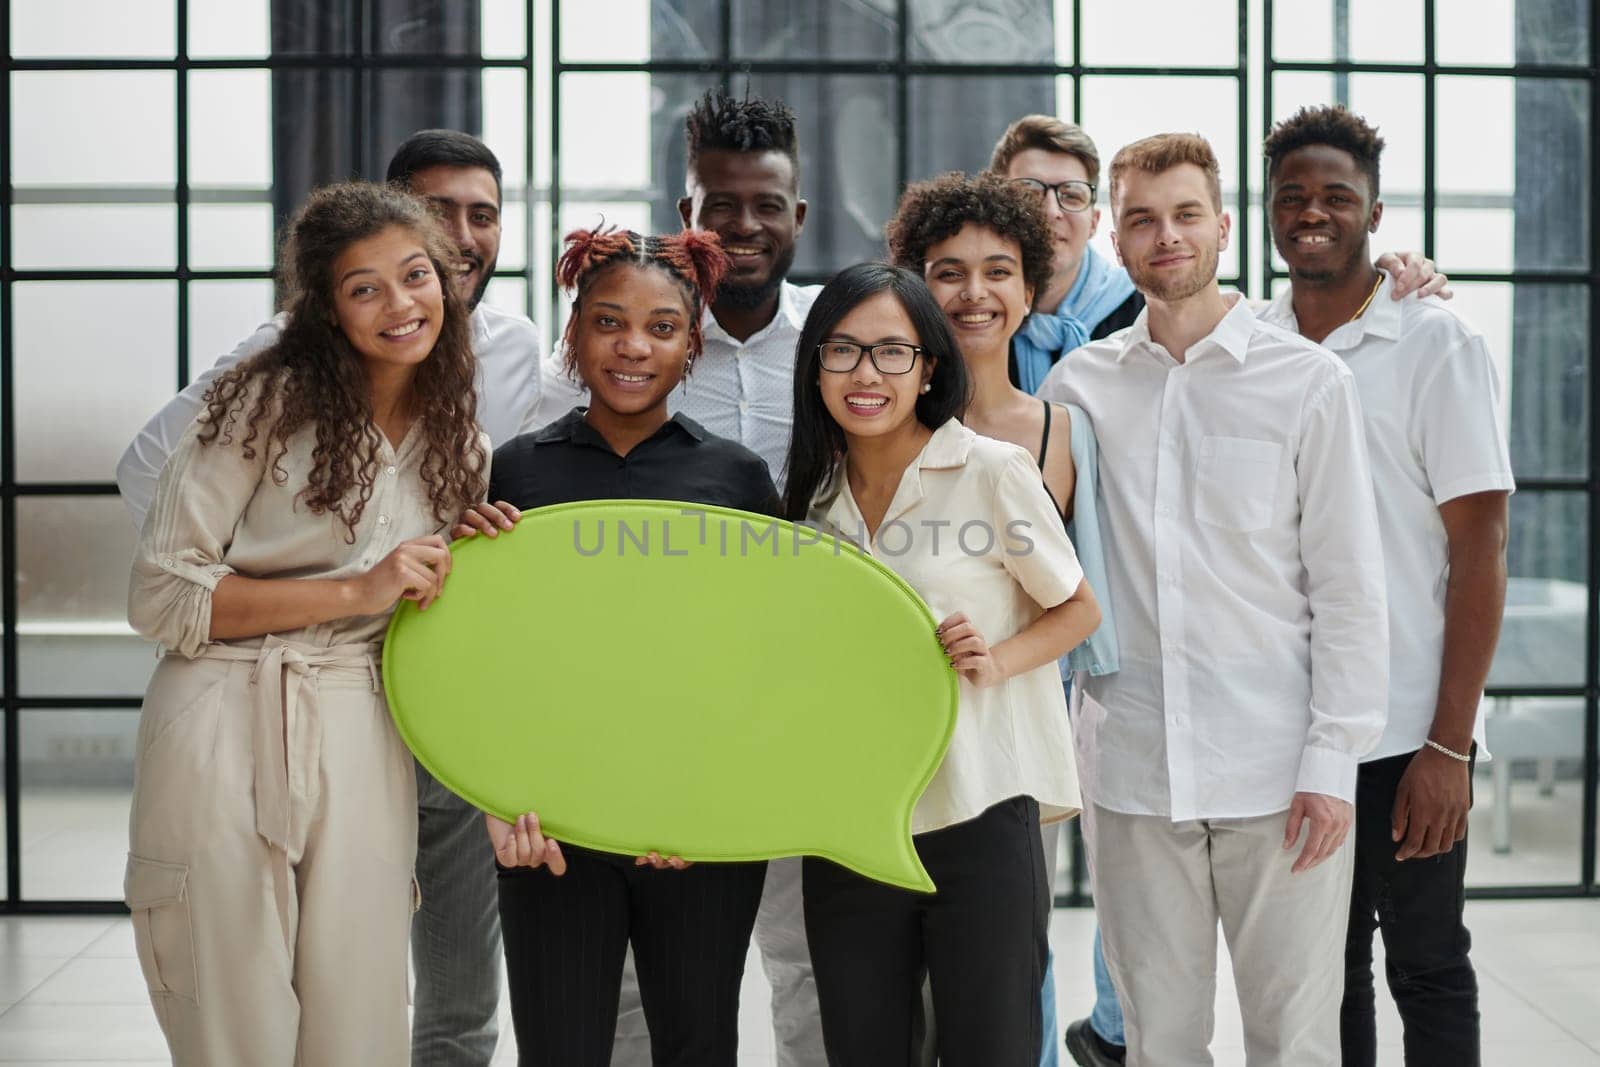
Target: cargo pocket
point(157, 894)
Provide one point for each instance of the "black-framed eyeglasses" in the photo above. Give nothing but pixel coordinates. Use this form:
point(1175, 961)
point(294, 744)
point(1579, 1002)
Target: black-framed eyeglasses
point(1070, 195)
point(890, 357)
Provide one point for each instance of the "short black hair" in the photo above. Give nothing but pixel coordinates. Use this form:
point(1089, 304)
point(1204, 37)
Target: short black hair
point(441, 148)
point(1333, 125)
point(933, 210)
point(816, 442)
point(718, 121)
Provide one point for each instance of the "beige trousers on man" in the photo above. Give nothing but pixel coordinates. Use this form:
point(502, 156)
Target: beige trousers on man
point(1160, 889)
point(273, 832)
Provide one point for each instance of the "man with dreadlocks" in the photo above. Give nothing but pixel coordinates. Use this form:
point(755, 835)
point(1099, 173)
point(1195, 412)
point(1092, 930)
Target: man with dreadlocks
point(743, 184)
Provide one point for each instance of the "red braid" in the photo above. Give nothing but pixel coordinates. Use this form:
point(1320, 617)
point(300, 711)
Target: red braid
point(694, 258)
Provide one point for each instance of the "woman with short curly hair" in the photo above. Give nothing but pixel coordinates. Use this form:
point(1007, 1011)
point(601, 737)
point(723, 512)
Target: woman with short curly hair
point(274, 821)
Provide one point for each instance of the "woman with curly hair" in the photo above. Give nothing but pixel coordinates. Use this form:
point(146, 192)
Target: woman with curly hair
point(274, 819)
point(570, 913)
point(984, 249)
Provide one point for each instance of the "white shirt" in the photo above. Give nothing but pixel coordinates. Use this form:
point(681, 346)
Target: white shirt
point(1430, 396)
point(507, 350)
point(971, 529)
point(1244, 560)
point(743, 391)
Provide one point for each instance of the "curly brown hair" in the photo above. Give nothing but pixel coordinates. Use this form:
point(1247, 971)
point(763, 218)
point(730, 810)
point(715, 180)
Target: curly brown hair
point(312, 376)
point(933, 210)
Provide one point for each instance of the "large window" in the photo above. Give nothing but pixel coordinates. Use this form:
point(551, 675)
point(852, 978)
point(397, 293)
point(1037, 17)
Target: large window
point(153, 147)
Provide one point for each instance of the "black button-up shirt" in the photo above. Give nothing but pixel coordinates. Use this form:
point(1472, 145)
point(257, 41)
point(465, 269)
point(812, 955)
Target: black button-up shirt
point(568, 461)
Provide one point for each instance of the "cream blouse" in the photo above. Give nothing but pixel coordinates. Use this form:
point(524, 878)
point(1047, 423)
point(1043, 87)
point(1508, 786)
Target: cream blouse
point(972, 529)
point(217, 513)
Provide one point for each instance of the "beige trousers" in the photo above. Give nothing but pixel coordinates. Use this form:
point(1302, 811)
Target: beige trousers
point(1160, 888)
point(272, 838)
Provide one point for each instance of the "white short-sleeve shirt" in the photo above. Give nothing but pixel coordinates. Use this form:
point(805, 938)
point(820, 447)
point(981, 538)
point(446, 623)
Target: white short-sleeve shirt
point(1430, 396)
point(971, 529)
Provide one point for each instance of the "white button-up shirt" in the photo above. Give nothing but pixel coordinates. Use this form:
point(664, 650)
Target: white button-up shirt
point(1430, 396)
point(743, 391)
point(1244, 561)
point(506, 346)
point(971, 529)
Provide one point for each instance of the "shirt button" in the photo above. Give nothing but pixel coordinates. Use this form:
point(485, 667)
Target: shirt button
point(389, 470)
point(166, 561)
point(744, 406)
point(383, 520)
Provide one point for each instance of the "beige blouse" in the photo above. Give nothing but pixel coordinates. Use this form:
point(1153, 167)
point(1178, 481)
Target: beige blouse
point(971, 529)
point(217, 513)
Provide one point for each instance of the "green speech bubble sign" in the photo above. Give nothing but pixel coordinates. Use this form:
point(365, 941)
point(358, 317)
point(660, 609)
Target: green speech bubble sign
point(697, 681)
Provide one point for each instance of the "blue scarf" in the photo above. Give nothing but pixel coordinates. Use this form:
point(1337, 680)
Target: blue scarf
point(1045, 337)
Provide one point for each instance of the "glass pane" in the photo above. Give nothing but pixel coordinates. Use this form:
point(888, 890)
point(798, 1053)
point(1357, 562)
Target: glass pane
point(504, 28)
point(622, 140)
point(505, 122)
point(93, 360)
point(1513, 174)
point(848, 145)
point(122, 125)
point(1120, 110)
point(239, 28)
point(312, 27)
point(1373, 31)
point(73, 559)
point(508, 294)
point(230, 128)
point(623, 214)
point(821, 29)
point(983, 31)
point(1391, 102)
point(986, 105)
point(1530, 795)
point(1540, 337)
point(637, 31)
point(111, 236)
point(221, 314)
point(230, 236)
point(513, 235)
point(1542, 638)
point(94, 28)
point(425, 27)
point(77, 781)
point(1190, 33)
point(1496, 32)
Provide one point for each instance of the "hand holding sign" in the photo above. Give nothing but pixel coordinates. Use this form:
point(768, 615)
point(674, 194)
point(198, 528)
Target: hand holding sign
point(794, 687)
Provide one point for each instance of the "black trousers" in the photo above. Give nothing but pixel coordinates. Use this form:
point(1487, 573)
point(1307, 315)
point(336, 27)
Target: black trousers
point(1417, 906)
point(565, 939)
point(980, 940)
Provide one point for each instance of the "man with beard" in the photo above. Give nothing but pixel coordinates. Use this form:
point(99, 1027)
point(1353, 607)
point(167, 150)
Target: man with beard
point(1089, 298)
point(455, 935)
point(743, 184)
point(1218, 766)
point(1442, 476)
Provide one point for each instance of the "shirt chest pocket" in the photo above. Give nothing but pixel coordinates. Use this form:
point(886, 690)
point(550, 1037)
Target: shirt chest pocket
point(1236, 482)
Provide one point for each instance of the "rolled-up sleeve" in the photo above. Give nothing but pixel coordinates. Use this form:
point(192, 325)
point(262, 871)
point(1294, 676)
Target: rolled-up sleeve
point(199, 499)
point(1032, 536)
point(1342, 553)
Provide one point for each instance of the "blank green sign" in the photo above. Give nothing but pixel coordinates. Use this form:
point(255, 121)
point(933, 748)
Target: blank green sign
point(696, 681)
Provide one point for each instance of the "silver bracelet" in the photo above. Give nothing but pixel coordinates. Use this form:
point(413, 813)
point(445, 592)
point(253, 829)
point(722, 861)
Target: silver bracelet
point(1437, 747)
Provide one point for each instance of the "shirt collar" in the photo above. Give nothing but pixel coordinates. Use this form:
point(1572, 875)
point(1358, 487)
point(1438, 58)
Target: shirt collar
point(788, 316)
point(573, 427)
point(948, 447)
point(1232, 334)
point(479, 322)
point(1383, 317)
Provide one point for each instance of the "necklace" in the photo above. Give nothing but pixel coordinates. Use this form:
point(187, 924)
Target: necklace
point(1362, 310)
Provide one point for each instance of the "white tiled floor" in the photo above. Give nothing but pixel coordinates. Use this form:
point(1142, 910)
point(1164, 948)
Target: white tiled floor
point(71, 991)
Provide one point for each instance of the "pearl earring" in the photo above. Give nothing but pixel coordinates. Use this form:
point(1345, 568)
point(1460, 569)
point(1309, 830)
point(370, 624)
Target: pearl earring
point(927, 387)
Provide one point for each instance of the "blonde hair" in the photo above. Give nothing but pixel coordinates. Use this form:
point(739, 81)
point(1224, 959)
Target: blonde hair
point(1050, 134)
point(1159, 154)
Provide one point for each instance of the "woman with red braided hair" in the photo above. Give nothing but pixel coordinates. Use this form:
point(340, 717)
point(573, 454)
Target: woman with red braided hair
point(569, 913)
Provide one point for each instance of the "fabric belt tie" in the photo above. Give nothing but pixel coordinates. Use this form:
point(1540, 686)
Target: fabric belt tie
point(287, 739)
